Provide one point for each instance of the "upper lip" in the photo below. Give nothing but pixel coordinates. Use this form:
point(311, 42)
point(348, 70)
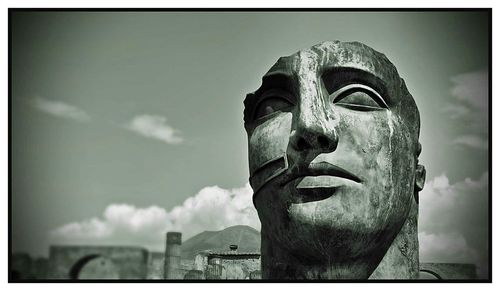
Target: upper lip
point(320, 169)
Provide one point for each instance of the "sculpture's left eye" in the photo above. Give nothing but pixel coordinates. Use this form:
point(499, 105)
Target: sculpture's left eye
point(358, 97)
point(271, 103)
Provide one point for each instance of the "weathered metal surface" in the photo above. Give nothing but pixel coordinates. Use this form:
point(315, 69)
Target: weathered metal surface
point(333, 155)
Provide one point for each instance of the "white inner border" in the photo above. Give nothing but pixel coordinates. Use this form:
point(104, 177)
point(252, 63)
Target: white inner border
point(240, 4)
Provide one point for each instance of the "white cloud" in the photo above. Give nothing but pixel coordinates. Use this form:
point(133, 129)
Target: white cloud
point(469, 109)
point(212, 208)
point(60, 109)
point(215, 208)
point(472, 141)
point(457, 111)
point(453, 221)
point(472, 89)
point(154, 126)
point(89, 229)
point(449, 248)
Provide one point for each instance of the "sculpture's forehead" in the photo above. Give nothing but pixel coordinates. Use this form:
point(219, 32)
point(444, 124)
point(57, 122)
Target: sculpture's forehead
point(332, 54)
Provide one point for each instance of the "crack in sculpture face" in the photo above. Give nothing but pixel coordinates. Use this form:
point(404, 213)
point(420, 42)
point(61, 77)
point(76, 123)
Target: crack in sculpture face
point(333, 148)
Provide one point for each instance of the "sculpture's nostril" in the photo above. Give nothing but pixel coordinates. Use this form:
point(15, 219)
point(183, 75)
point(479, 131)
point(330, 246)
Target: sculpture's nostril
point(302, 144)
point(323, 141)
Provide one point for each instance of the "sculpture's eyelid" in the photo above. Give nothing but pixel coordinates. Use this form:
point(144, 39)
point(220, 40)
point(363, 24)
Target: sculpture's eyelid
point(360, 87)
point(276, 93)
point(270, 94)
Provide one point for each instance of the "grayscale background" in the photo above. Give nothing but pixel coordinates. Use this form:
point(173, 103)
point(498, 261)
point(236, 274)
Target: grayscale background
point(126, 125)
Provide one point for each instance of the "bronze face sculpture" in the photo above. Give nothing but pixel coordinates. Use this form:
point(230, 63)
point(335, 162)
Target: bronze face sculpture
point(333, 155)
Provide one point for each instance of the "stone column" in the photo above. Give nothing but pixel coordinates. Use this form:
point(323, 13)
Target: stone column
point(173, 256)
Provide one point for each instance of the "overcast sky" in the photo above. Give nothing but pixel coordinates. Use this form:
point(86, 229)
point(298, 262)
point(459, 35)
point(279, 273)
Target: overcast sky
point(126, 125)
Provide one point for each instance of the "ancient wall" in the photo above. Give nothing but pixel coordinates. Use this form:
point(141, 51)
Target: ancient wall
point(21, 267)
point(448, 271)
point(97, 262)
point(40, 268)
point(155, 266)
point(24, 267)
point(194, 275)
point(239, 269)
point(233, 268)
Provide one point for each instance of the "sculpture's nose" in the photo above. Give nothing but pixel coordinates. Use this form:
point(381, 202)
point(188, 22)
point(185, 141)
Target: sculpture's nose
point(313, 132)
point(312, 129)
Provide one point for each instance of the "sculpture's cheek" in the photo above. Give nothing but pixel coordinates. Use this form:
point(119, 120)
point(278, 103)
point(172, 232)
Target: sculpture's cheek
point(386, 161)
point(267, 144)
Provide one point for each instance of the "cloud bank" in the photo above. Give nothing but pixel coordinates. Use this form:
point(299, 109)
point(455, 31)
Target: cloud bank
point(60, 109)
point(453, 222)
point(212, 208)
point(154, 126)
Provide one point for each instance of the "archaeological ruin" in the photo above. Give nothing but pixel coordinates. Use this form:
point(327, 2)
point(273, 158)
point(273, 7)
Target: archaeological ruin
point(135, 263)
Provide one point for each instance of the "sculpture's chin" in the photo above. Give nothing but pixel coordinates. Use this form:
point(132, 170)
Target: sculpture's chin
point(339, 244)
point(319, 237)
point(340, 224)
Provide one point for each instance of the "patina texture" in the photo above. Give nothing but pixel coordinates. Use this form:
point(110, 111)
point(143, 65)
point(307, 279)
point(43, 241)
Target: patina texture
point(333, 154)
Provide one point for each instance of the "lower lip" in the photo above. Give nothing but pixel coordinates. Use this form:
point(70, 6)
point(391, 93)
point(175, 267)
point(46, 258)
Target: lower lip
point(311, 182)
point(315, 188)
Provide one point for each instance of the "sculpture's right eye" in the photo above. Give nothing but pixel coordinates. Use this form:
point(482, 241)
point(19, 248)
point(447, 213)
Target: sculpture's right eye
point(359, 97)
point(270, 104)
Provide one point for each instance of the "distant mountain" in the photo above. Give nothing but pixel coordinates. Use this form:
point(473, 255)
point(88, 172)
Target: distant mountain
point(246, 237)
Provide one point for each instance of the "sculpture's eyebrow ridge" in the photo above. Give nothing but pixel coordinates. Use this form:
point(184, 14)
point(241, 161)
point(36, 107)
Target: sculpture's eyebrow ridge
point(274, 79)
point(277, 79)
point(338, 77)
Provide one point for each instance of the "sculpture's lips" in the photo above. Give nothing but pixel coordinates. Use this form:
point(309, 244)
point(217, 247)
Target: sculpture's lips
point(321, 174)
point(317, 182)
point(323, 181)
